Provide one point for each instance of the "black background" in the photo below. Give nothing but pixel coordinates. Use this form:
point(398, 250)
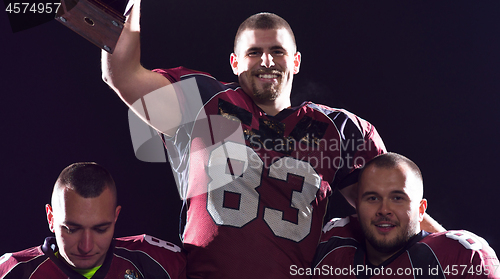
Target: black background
point(426, 74)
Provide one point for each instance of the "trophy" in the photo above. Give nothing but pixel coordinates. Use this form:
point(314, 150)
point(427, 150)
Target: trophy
point(97, 21)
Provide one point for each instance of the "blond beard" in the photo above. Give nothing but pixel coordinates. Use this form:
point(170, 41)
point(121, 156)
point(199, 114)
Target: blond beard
point(270, 92)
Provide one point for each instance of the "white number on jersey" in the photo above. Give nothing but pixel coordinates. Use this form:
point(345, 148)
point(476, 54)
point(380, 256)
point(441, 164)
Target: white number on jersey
point(467, 239)
point(161, 243)
point(248, 179)
point(5, 257)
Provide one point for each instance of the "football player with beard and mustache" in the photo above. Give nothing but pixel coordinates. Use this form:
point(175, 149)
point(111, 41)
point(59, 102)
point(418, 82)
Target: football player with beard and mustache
point(255, 173)
point(265, 61)
point(385, 238)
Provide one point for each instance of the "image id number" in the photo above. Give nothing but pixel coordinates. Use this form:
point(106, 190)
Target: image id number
point(23, 8)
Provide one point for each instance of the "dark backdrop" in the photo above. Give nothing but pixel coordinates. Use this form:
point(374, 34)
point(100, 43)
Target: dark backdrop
point(426, 74)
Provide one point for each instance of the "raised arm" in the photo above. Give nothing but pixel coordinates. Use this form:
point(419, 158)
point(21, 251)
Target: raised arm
point(123, 72)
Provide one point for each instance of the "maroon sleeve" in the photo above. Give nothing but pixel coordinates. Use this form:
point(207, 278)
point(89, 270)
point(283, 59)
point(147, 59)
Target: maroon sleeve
point(362, 143)
point(168, 255)
point(175, 74)
point(463, 254)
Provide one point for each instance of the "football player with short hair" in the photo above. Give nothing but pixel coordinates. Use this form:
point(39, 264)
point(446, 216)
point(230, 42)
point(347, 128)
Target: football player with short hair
point(256, 173)
point(82, 215)
point(385, 239)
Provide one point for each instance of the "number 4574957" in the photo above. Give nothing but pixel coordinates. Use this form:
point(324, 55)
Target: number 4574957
point(23, 8)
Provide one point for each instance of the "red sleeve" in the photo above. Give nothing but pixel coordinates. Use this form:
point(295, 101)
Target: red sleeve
point(170, 256)
point(365, 144)
point(175, 74)
point(463, 254)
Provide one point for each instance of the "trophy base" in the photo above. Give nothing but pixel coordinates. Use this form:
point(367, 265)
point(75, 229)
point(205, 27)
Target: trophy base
point(93, 20)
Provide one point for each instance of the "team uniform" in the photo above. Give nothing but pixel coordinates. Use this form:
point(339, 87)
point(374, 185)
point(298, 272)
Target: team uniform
point(257, 185)
point(451, 254)
point(133, 257)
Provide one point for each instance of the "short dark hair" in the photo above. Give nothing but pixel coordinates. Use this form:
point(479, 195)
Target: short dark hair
point(87, 179)
point(263, 21)
point(393, 160)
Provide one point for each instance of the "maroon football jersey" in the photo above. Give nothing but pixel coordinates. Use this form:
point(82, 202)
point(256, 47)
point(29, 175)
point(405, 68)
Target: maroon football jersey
point(133, 257)
point(257, 185)
point(451, 254)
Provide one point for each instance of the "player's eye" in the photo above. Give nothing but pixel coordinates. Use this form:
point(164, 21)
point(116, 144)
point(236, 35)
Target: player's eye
point(253, 54)
point(69, 230)
point(101, 229)
point(398, 198)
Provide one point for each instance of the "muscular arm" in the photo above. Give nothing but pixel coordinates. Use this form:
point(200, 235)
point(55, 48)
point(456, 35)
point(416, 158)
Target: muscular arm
point(431, 225)
point(123, 72)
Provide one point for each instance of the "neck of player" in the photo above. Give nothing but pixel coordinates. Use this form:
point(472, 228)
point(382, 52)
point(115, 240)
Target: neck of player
point(273, 107)
point(376, 257)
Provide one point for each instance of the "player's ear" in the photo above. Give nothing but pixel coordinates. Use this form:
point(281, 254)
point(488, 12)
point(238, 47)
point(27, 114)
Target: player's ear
point(421, 209)
point(296, 62)
point(50, 217)
point(233, 60)
point(117, 212)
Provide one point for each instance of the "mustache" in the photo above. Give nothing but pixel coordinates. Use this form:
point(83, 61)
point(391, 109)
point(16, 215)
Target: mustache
point(267, 71)
point(385, 219)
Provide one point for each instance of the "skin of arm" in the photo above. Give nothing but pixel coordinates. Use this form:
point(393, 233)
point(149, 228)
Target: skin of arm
point(431, 225)
point(123, 72)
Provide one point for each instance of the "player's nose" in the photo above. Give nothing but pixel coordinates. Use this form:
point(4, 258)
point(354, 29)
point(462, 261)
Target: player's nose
point(86, 243)
point(384, 208)
point(267, 60)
